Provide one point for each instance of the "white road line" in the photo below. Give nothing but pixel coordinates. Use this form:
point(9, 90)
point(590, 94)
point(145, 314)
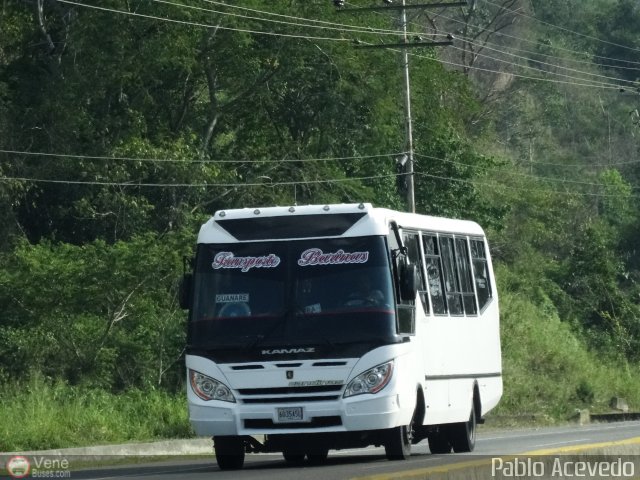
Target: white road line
point(599, 428)
point(566, 442)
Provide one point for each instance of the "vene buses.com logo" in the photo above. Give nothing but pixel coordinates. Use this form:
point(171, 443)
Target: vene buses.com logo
point(18, 467)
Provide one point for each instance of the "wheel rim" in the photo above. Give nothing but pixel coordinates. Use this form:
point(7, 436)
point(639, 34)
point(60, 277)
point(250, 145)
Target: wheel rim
point(409, 430)
point(408, 435)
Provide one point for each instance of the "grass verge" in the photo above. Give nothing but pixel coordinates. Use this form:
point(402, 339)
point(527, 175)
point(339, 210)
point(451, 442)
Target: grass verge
point(40, 415)
point(548, 370)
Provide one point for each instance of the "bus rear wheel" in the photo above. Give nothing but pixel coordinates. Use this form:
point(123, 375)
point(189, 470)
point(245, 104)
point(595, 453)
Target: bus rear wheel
point(398, 444)
point(293, 457)
point(463, 435)
point(229, 452)
point(439, 440)
point(317, 456)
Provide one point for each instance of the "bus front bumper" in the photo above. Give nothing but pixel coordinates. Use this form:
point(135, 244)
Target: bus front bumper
point(362, 412)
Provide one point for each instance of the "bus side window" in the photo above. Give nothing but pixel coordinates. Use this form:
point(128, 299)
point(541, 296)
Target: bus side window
point(406, 307)
point(464, 272)
point(434, 273)
point(480, 272)
point(411, 241)
point(451, 280)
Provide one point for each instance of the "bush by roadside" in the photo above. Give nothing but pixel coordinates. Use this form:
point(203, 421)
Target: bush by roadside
point(40, 414)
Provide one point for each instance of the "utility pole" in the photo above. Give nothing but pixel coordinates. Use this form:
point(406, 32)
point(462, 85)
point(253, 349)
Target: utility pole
point(408, 123)
point(408, 161)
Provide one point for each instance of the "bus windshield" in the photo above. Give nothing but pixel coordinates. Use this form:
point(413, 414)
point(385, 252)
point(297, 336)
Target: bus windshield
point(331, 291)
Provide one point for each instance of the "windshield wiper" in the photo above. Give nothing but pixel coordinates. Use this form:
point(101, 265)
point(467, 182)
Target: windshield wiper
point(259, 338)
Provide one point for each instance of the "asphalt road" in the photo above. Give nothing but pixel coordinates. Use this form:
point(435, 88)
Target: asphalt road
point(350, 464)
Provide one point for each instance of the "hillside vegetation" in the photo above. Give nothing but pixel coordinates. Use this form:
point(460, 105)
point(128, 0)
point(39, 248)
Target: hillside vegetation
point(124, 125)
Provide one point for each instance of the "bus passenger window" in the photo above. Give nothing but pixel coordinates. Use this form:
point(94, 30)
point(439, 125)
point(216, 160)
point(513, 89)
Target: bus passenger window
point(434, 273)
point(480, 272)
point(464, 273)
point(451, 281)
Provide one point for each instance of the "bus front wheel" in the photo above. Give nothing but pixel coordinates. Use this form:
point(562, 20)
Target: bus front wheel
point(398, 445)
point(229, 452)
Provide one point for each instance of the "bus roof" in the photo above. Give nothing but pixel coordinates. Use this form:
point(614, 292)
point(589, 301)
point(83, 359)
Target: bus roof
point(315, 221)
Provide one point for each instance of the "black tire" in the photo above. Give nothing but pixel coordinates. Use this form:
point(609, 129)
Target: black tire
point(439, 440)
point(293, 457)
point(398, 444)
point(229, 452)
point(317, 457)
point(463, 435)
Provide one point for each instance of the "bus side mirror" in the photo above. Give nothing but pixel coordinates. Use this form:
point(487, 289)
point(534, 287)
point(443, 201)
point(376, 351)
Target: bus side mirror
point(409, 281)
point(184, 291)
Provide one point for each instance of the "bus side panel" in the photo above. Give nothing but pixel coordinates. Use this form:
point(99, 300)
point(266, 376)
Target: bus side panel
point(458, 351)
point(436, 394)
point(472, 344)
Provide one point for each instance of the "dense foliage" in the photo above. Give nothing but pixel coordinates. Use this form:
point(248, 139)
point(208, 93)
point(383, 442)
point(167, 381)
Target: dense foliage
point(124, 124)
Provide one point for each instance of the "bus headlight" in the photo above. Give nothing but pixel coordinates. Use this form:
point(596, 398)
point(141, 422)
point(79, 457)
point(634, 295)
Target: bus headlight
point(370, 381)
point(208, 388)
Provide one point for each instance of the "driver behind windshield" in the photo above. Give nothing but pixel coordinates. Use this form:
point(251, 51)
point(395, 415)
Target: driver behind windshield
point(365, 293)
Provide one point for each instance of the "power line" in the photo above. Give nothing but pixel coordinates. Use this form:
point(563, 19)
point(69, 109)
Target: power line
point(268, 184)
point(529, 67)
point(531, 59)
point(289, 183)
point(352, 28)
point(340, 27)
point(568, 50)
point(494, 185)
point(572, 165)
point(562, 28)
point(526, 77)
point(308, 37)
point(197, 161)
point(524, 175)
point(204, 25)
point(194, 185)
point(322, 22)
point(586, 165)
point(594, 83)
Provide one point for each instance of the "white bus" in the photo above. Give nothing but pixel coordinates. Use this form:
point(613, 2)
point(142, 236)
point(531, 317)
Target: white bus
point(326, 327)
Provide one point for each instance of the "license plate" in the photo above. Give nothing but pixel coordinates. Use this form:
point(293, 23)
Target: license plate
point(290, 414)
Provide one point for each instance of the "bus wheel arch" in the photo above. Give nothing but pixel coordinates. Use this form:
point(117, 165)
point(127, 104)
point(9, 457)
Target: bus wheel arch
point(399, 439)
point(477, 403)
point(420, 431)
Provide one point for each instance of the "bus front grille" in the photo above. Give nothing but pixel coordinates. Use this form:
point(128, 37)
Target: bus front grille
point(316, 422)
point(290, 390)
point(320, 398)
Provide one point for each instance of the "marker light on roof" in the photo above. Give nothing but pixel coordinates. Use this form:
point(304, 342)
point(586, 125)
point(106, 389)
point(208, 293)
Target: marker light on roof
point(291, 209)
point(222, 214)
point(256, 212)
point(361, 206)
point(326, 208)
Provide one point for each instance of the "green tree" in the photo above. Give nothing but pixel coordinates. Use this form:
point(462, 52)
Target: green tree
point(96, 314)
